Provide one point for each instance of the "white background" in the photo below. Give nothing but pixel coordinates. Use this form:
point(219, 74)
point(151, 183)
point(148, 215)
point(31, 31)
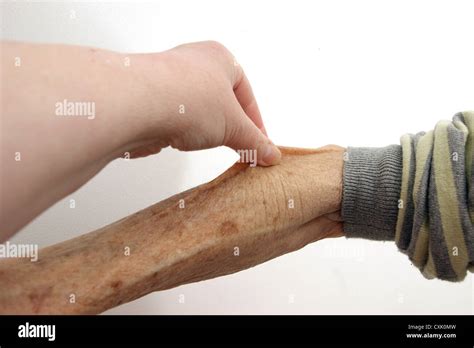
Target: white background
point(357, 73)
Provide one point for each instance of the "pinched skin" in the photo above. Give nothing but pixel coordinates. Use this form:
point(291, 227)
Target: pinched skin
point(245, 207)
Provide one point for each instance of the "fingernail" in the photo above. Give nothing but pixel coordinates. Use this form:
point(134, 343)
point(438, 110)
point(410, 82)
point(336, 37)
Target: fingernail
point(271, 155)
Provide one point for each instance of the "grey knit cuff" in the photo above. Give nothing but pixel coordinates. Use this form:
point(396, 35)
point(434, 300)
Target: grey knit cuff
point(372, 181)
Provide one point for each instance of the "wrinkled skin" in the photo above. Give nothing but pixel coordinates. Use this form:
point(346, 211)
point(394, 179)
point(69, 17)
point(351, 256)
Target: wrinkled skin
point(245, 207)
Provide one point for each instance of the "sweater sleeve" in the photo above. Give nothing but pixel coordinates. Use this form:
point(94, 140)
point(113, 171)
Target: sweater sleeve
point(419, 194)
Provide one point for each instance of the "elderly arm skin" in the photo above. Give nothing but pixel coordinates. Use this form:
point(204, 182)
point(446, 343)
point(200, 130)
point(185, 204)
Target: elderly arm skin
point(245, 207)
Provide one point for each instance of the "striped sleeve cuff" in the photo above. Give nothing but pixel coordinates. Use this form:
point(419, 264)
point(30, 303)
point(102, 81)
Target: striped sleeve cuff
point(419, 194)
point(371, 190)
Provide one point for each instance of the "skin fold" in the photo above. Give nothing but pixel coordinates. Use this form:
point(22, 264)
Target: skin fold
point(264, 212)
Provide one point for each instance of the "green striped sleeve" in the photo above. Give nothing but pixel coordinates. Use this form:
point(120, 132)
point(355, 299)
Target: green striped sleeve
point(432, 179)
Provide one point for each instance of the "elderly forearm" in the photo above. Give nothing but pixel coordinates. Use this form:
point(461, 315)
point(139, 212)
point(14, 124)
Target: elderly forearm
point(244, 217)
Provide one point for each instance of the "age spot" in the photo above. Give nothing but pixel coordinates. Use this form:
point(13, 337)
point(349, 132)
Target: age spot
point(116, 284)
point(228, 228)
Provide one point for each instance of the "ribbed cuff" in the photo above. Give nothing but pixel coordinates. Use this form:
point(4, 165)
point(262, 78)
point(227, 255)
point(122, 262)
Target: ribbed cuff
point(372, 181)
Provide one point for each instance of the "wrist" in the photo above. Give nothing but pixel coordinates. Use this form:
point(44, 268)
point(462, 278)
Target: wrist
point(148, 107)
point(127, 107)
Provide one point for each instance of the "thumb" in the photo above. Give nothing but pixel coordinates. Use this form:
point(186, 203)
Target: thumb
point(242, 135)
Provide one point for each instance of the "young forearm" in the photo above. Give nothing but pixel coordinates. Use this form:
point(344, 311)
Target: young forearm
point(244, 217)
point(48, 150)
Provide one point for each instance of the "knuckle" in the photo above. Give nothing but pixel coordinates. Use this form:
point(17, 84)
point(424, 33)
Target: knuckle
point(216, 45)
point(219, 50)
